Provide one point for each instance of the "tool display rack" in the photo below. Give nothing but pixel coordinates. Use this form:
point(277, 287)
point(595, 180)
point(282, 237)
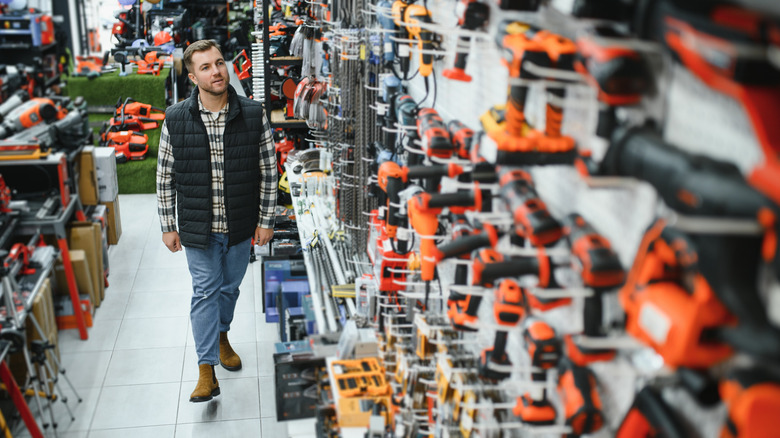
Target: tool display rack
point(262, 63)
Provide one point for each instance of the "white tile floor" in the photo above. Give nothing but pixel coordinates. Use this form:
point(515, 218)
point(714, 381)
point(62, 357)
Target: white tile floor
point(138, 367)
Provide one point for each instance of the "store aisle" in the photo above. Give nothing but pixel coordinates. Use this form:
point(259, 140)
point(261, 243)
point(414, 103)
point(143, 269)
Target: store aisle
point(138, 367)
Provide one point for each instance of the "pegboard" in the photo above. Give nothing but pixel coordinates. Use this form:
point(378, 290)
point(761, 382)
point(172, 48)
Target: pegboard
point(697, 120)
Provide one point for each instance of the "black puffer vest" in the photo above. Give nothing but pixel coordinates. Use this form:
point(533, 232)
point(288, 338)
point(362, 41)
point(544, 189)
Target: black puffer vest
point(192, 168)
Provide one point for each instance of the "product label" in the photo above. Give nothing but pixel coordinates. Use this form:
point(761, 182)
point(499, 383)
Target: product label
point(403, 50)
point(654, 322)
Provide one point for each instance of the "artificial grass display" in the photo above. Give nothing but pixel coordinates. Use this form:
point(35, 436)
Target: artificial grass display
point(105, 90)
point(133, 176)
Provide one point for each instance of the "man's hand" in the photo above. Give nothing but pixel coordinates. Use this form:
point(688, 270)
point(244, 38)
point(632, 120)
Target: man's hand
point(171, 241)
point(263, 235)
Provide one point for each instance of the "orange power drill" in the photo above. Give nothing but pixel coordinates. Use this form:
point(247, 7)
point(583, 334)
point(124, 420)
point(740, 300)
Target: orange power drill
point(29, 114)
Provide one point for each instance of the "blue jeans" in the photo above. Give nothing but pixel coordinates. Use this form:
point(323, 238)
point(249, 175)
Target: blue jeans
point(216, 273)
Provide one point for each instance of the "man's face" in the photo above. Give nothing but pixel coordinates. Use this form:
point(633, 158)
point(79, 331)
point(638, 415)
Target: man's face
point(209, 72)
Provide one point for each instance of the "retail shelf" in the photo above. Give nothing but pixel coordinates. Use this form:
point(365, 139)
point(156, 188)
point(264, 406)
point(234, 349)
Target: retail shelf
point(279, 121)
point(287, 60)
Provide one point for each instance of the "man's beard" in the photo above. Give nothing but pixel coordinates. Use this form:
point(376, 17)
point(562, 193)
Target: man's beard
point(210, 89)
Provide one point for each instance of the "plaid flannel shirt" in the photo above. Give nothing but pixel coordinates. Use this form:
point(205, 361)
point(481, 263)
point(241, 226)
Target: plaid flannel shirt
point(215, 127)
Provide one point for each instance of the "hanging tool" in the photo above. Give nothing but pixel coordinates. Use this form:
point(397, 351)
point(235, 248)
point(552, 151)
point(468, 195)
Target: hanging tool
point(600, 270)
point(703, 187)
point(753, 400)
point(543, 347)
point(434, 134)
point(580, 398)
point(536, 412)
point(650, 416)
point(462, 138)
point(472, 16)
point(423, 210)
point(670, 306)
point(415, 14)
point(509, 310)
point(385, 19)
point(515, 147)
point(533, 222)
point(402, 33)
point(242, 65)
point(618, 72)
point(730, 56)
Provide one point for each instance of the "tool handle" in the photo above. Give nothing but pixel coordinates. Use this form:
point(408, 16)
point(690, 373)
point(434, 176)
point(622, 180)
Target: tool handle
point(650, 416)
point(440, 200)
point(514, 267)
point(418, 172)
point(465, 245)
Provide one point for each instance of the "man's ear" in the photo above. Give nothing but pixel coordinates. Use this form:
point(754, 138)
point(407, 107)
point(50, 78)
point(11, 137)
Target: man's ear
point(192, 78)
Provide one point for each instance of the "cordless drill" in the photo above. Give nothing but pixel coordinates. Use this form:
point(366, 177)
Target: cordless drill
point(533, 222)
point(509, 310)
point(600, 270)
point(473, 15)
point(414, 15)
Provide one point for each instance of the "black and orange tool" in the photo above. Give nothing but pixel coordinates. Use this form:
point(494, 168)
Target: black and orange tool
point(669, 304)
point(536, 412)
point(423, 210)
point(543, 347)
point(619, 73)
point(650, 416)
point(34, 111)
point(600, 269)
point(462, 138)
point(242, 66)
point(726, 46)
point(533, 222)
point(579, 395)
point(509, 310)
point(434, 134)
point(132, 107)
point(515, 146)
point(473, 15)
point(703, 187)
point(753, 400)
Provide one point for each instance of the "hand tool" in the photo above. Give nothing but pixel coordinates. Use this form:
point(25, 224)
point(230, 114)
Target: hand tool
point(509, 310)
point(462, 138)
point(580, 398)
point(399, 13)
point(703, 187)
point(472, 16)
point(533, 222)
point(434, 134)
point(385, 19)
point(650, 416)
point(753, 400)
point(600, 270)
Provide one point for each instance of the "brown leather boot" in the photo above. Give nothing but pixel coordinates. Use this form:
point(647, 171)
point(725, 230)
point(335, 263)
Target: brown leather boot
point(207, 387)
point(227, 357)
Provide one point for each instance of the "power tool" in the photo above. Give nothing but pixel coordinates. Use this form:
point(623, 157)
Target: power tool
point(580, 398)
point(533, 222)
point(29, 114)
point(472, 16)
point(600, 270)
point(543, 347)
point(670, 306)
point(13, 102)
point(703, 187)
point(415, 14)
point(650, 416)
point(753, 400)
point(509, 310)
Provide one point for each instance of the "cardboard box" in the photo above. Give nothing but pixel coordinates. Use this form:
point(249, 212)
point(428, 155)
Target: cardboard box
point(114, 221)
point(43, 311)
point(84, 279)
point(87, 173)
point(86, 236)
point(105, 163)
point(100, 216)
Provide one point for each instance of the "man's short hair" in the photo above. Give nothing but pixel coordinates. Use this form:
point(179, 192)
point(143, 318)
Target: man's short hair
point(198, 46)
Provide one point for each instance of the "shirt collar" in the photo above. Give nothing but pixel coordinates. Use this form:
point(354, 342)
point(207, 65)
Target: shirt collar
point(203, 109)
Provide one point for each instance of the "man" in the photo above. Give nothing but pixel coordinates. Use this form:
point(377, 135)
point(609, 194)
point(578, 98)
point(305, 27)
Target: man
point(208, 175)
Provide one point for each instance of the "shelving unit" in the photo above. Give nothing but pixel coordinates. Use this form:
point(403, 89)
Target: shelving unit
point(277, 119)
